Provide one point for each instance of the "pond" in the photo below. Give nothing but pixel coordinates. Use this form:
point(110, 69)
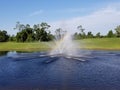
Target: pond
point(96, 70)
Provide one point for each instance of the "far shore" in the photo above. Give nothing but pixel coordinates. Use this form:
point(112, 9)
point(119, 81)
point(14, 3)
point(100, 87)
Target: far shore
point(49, 49)
point(88, 44)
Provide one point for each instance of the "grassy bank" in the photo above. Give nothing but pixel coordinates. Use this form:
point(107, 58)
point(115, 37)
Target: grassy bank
point(100, 44)
point(14, 46)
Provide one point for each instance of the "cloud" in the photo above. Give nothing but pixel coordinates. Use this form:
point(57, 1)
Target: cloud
point(36, 13)
point(71, 10)
point(102, 20)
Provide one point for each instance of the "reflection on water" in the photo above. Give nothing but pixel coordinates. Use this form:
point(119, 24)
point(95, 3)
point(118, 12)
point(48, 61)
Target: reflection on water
point(3, 53)
point(11, 53)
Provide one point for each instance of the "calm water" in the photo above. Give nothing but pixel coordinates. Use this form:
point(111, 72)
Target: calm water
point(96, 70)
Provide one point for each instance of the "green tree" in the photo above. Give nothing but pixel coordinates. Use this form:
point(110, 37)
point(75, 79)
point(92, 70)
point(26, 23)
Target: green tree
point(35, 27)
point(25, 35)
point(27, 26)
point(21, 36)
point(44, 26)
point(59, 33)
point(117, 29)
point(110, 34)
point(90, 35)
point(98, 35)
point(3, 36)
point(81, 29)
point(30, 34)
point(41, 35)
point(41, 32)
point(12, 38)
point(19, 26)
point(82, 33)
point(76, 36)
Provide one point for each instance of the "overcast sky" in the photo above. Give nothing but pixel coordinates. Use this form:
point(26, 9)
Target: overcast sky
point(93, 15)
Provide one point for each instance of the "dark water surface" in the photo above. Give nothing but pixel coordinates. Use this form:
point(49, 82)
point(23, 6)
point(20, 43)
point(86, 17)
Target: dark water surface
point(97, 70)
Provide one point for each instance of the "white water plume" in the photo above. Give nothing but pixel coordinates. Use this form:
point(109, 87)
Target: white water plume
point(65, 46)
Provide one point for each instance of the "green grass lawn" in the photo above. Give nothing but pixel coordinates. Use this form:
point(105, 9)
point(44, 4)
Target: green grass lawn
point(35, 46)
point(100, 44)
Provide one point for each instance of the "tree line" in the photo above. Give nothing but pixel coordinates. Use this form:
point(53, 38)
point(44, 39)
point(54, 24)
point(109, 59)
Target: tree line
point(26, 33)
point(83, 35)
point(41, 32)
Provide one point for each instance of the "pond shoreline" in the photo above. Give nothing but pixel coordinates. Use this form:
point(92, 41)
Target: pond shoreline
point(88, 44)
point(49, 49)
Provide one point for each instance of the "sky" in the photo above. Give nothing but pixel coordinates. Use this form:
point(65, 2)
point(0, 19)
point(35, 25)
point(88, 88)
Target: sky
point(94, 15)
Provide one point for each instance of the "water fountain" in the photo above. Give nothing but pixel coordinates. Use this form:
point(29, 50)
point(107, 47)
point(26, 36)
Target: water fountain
point(64, 46)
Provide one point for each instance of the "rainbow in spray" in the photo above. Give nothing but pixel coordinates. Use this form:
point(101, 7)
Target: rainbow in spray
point(64, 46)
